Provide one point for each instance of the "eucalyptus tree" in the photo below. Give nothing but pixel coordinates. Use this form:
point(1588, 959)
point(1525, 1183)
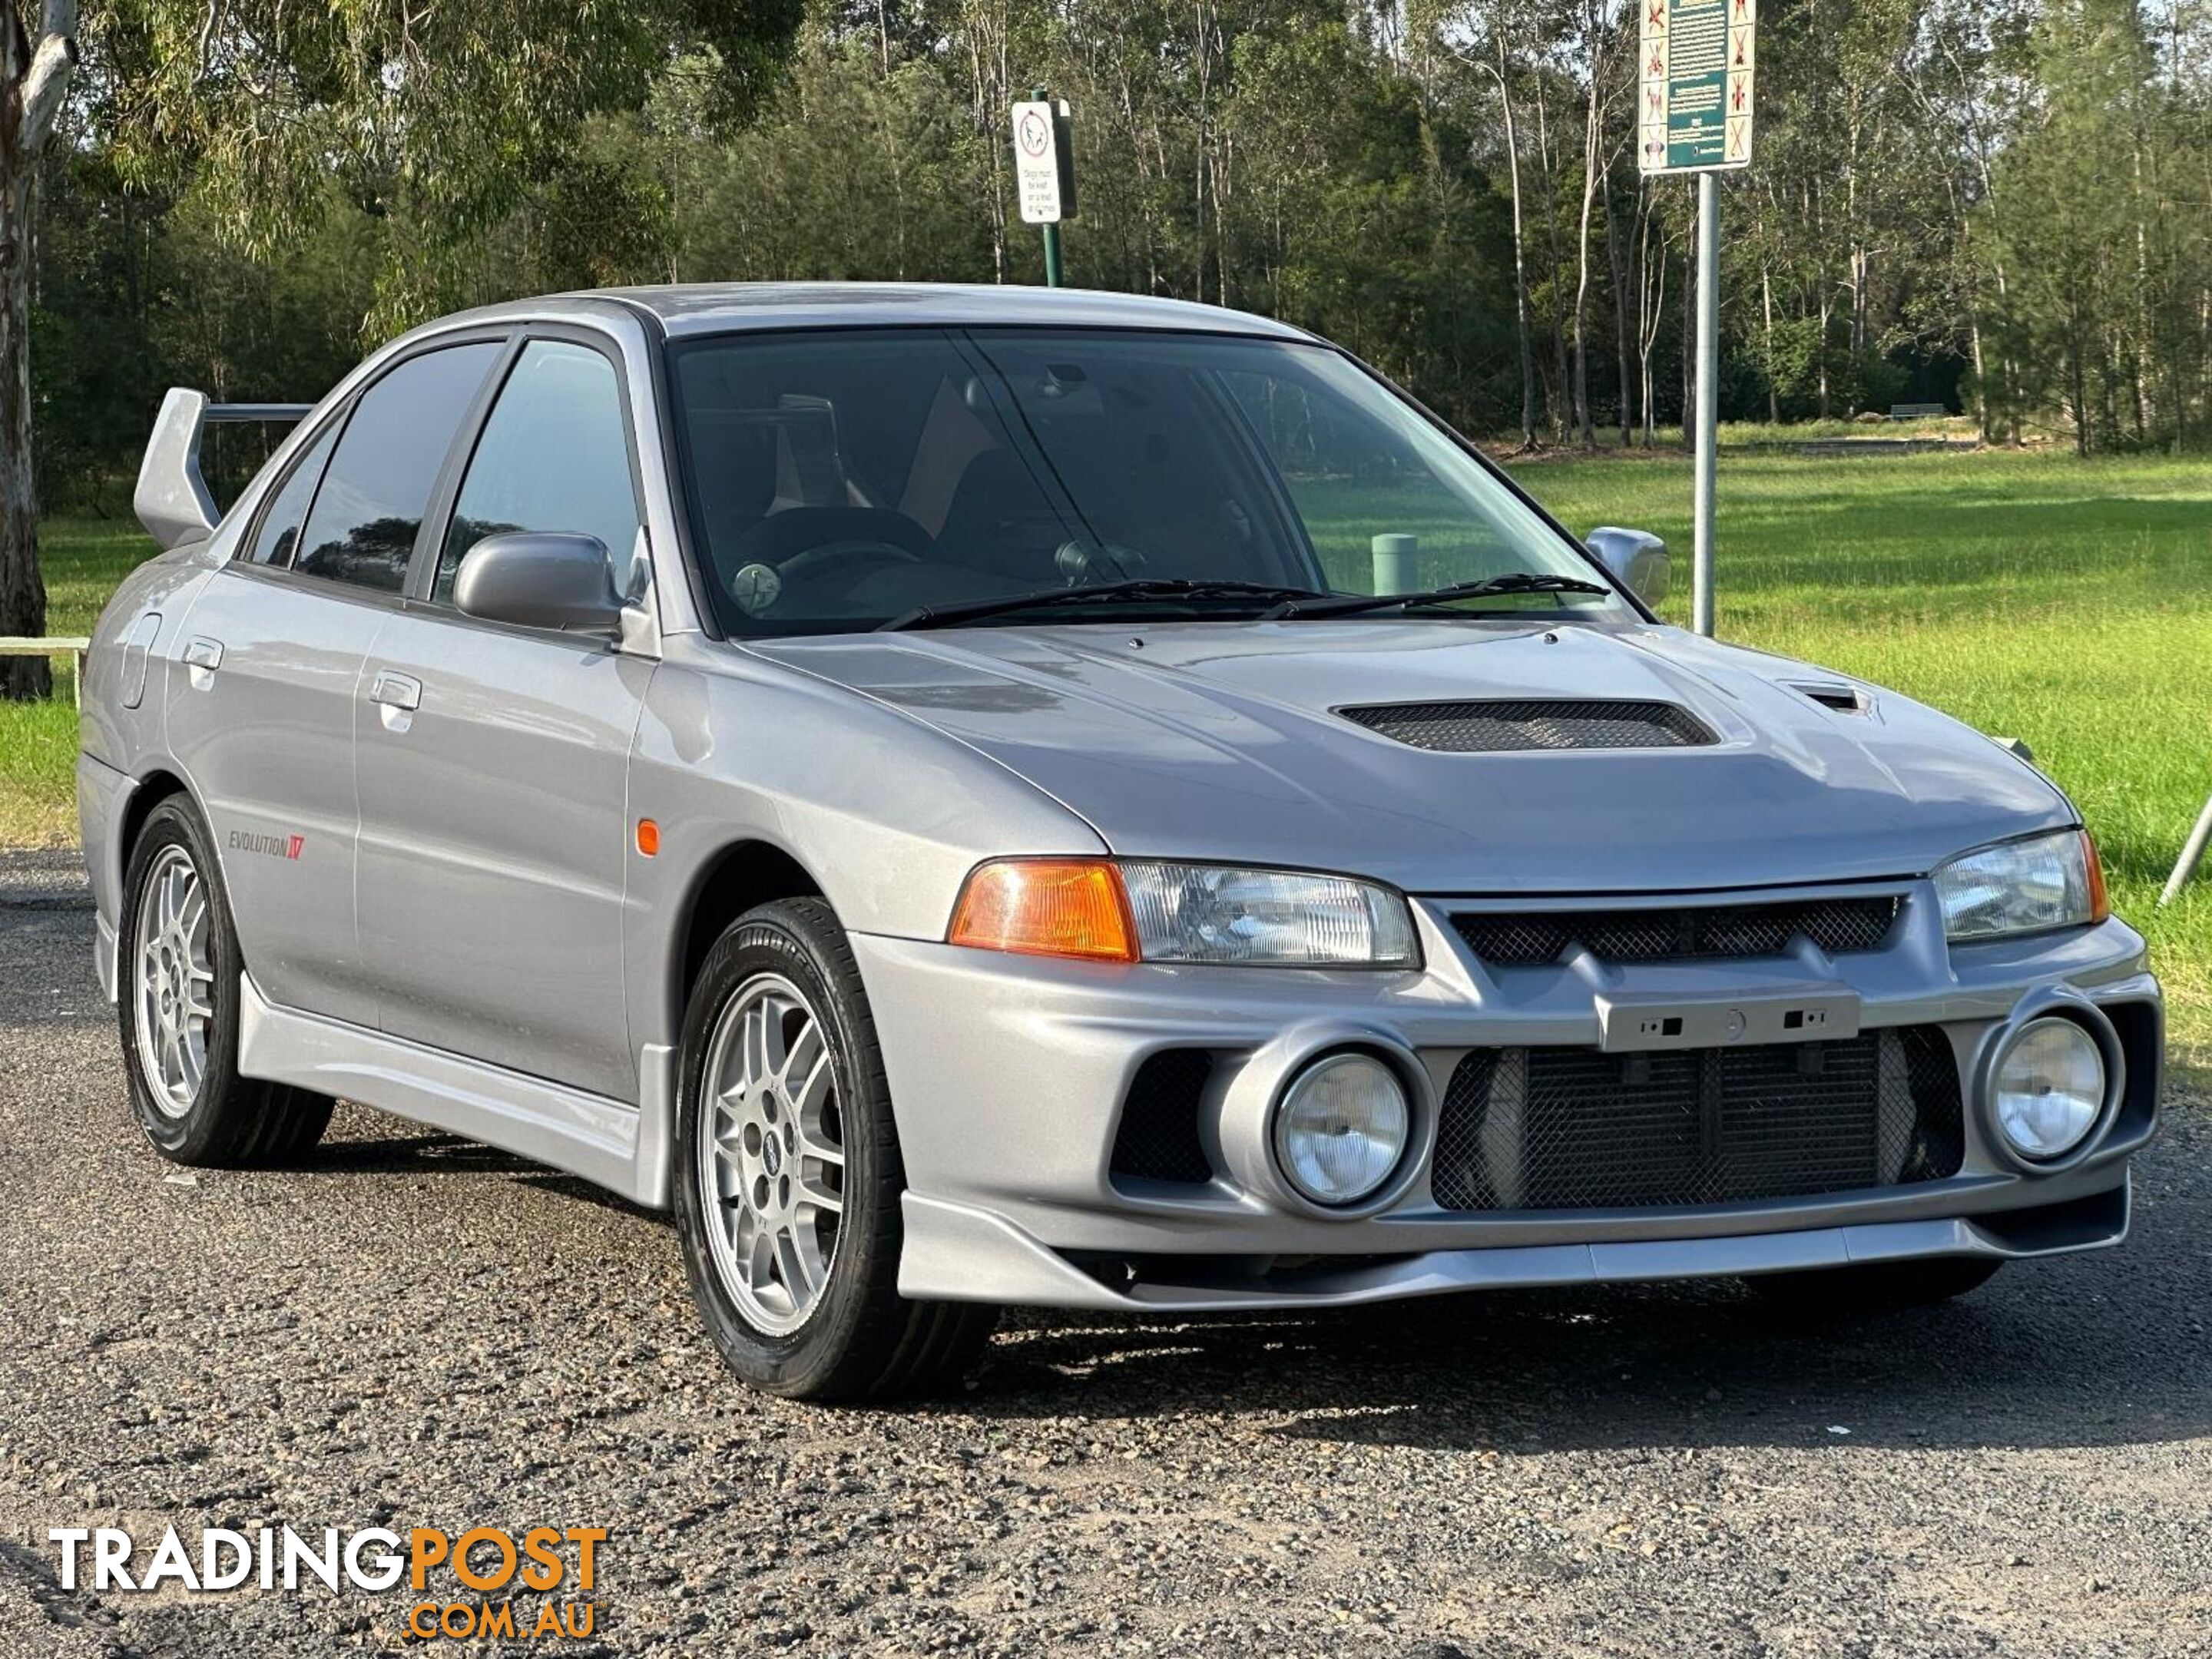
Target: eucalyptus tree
point(434, 121)
point(38, 55)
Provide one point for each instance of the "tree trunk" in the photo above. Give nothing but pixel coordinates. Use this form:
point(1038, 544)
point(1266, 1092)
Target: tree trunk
point(35, 62)
point(22, 590)
point(1521, 328)
point(1766, 314)
point(1617, 261)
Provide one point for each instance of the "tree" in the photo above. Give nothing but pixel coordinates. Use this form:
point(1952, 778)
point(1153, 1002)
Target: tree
point(36, 60)
point(434, 123)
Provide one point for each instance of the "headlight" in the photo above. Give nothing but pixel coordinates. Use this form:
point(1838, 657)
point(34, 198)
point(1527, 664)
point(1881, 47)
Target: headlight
point(1101, 911)
point(2050, 1088)
point(1341, 1128)
point(1212, 913)
point(2023, 887)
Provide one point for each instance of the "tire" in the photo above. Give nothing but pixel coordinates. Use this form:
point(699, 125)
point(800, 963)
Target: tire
point(802, 1298)
point(176, 940)
point(1876, 1287)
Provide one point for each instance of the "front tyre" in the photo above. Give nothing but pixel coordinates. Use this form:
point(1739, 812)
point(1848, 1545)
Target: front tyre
point(788, 1174)
point(178, 1005)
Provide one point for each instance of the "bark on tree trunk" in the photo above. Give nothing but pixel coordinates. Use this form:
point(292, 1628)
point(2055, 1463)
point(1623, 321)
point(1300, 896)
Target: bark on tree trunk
point(1521, 327)
point(1616, 260)
point(35, 62)
point(22, 591)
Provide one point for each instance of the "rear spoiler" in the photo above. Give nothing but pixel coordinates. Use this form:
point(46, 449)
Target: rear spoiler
point(173, 499)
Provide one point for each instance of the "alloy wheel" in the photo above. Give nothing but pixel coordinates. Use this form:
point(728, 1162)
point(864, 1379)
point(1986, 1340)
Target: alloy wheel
point(173, 981)
point(771, 1154)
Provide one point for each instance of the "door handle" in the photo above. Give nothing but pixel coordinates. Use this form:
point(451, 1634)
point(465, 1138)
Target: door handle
point(395, 690)
point(202, 656)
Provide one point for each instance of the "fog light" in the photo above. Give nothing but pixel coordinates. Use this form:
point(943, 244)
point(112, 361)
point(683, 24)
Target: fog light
point(2050, 1088)
point(1341, 1128)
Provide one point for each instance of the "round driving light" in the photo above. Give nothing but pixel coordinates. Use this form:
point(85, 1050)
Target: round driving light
point(2050, 1088)
point(1341, 1128)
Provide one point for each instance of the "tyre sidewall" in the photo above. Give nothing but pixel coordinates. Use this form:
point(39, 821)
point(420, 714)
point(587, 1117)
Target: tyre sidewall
point(795, 939)
point(193, 1136)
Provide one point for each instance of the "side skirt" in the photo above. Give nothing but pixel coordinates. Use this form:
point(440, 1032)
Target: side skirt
point(621, 1148)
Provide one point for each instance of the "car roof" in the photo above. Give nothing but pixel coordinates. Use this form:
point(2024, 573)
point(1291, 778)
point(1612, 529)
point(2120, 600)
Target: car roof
point(696, 308)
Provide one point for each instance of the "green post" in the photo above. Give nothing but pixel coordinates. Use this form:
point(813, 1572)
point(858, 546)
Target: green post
point(1040, 95)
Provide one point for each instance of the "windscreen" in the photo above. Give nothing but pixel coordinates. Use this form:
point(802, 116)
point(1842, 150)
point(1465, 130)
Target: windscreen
point(841, 478)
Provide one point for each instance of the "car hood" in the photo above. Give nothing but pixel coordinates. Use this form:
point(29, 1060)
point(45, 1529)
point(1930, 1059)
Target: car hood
point(1221, 741)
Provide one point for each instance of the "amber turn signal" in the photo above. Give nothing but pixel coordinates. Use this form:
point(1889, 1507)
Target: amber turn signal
point(2101, 902)
point(648, 837)
point(1046, 908)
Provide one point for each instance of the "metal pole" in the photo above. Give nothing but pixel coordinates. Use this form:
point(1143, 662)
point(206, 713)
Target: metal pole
point(2192, 855)
point(1043, 95)
point(1708, 395)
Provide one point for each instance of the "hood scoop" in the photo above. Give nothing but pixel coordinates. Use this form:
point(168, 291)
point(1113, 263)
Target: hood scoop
point(1498, 725)
point(1835, 695)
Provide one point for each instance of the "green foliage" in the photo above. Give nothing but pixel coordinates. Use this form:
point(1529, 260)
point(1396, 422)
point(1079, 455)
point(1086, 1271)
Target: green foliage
point(433, 124)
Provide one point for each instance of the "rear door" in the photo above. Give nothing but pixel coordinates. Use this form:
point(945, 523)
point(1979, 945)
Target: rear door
point(263, 701)
point(494, 759)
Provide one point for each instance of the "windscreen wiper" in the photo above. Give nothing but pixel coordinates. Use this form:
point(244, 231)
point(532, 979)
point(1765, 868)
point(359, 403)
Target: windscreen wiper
point(1513, 582)
point(1139, 590)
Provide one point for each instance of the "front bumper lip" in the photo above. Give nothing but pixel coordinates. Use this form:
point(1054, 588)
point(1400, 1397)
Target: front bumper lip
point(955, 1252)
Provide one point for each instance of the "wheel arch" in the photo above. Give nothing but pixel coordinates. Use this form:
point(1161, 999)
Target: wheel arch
point(736, 877)
point(153, 788)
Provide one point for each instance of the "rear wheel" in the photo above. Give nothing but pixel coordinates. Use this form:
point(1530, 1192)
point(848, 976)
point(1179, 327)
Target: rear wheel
point(1875, 1286)
point(177, 1003)
point(789, 1175)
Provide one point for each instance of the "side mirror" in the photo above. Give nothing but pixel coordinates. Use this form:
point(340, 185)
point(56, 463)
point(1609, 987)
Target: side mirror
point(540, 579)
point(1635, 559)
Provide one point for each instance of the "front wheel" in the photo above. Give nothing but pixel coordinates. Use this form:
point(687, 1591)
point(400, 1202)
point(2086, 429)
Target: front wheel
point(788, 1173)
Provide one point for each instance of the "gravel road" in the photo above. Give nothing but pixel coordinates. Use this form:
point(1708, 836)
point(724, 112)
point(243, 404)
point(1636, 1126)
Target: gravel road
point(412, 1330)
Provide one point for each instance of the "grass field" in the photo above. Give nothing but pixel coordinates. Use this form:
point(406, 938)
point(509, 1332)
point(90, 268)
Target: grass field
point(2067, 603)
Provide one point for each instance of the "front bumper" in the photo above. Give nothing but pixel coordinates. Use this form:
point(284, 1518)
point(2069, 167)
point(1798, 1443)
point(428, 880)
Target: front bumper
point(1010, 1075)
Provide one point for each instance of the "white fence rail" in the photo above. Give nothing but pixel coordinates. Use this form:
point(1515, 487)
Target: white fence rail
point(54, 645)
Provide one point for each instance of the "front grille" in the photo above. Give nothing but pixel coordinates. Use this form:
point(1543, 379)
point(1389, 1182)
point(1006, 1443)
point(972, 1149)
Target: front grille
point(1520, 939)
point(1579, 1129)
point(1466, 728)
point(1158, 1138)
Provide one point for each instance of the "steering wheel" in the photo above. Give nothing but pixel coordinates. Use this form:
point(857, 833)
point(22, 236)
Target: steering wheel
point(816, 563)
point(783, 538)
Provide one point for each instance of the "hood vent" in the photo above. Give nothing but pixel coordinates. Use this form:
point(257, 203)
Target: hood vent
point(1834, 694)
point(1472, 728)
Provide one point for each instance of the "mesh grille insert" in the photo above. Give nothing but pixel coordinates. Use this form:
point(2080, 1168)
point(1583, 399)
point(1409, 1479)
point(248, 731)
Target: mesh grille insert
point(1467, 728)
point(1158, 1138)
point(1578, 1129)
point(1519, 938)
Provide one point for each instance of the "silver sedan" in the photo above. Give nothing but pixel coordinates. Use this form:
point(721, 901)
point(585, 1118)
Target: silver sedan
point(975, 797)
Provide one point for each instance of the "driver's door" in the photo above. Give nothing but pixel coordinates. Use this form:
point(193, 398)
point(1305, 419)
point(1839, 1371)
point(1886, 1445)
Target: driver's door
point(493, 761)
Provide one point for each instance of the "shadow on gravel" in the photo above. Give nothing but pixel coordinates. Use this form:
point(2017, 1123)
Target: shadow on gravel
point(2078, 1361)
point(2101, 1350)
point(433, 1154)
point(420, 1154)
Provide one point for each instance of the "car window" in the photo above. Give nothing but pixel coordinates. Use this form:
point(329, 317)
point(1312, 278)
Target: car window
point(361, 528)
point(837, 478)
point(1367, 487)
point(553, 456)
point(275, 542)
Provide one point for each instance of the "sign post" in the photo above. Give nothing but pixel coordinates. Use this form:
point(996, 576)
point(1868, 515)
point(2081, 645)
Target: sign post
point(1694, 115)
point(1044, 170)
